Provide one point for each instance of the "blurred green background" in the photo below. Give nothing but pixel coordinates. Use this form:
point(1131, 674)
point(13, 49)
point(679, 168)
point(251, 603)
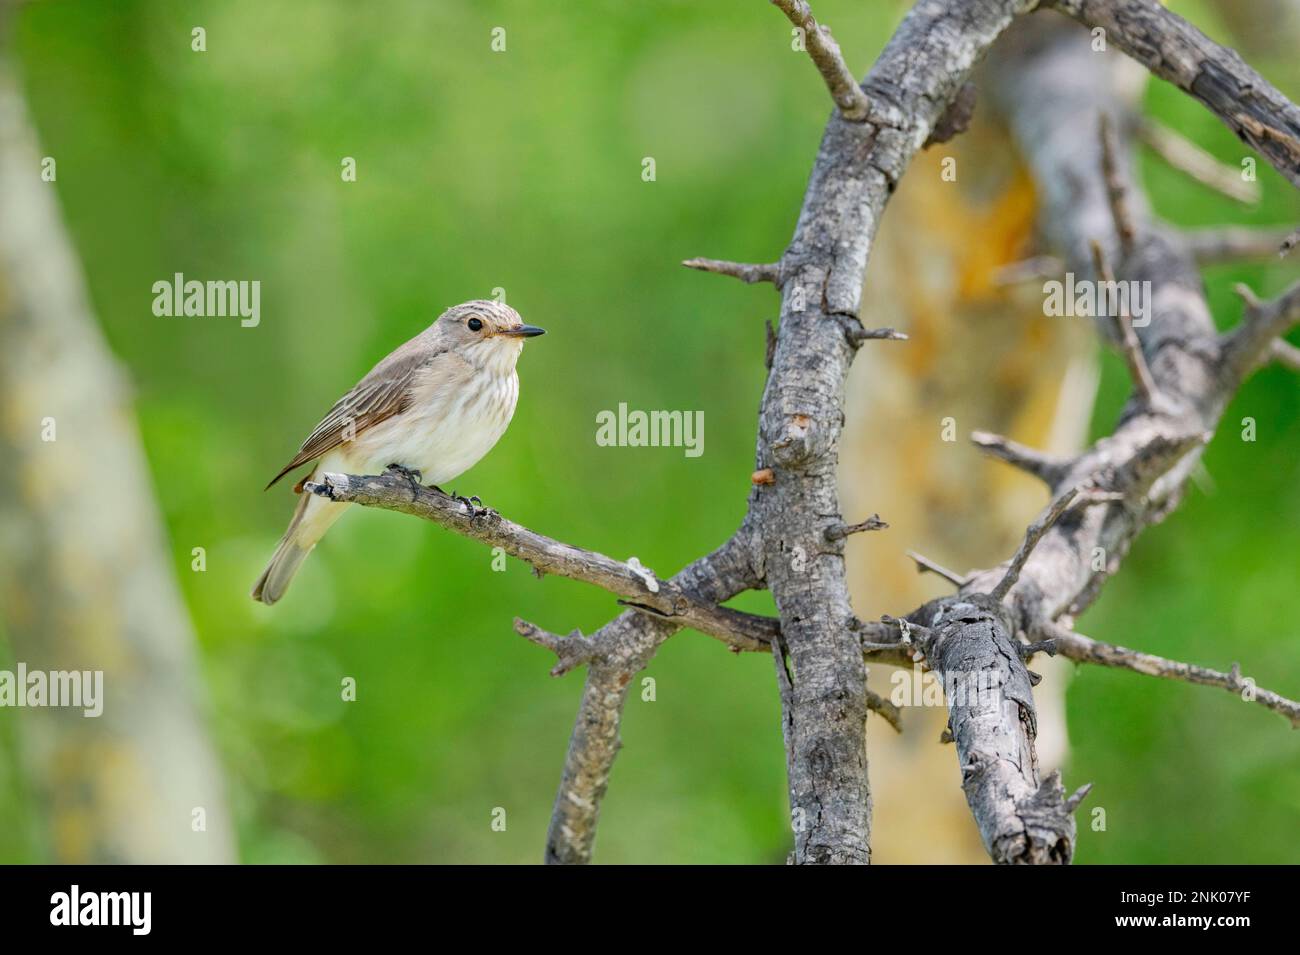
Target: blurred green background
point(522, 170)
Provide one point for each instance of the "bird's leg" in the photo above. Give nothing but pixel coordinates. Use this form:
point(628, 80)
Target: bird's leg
point(473, 502)
point(412, 476)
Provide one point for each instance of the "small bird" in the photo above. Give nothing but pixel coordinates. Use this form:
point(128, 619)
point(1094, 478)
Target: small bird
point(432, 408)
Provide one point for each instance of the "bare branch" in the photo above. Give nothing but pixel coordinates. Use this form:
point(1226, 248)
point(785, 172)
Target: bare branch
point(1235, 244)
point(1022, 819)
point(614, 654)
point(1176, 51)
point(1186, 156)
point(1117, 189)
point(1048, 468)
point(621, 649)
point(825, 52)
point(840, 531)
point(572, 651)
point(1129, 344)
point(890, 713)
point(925, 563)
point(1033, 535)
point(1251, 342)
point(1116, 186)
point(860, 334)
point(741, 632)
point(1086, 650)
point(746, 272)
point(396, 493)
point(1285, 354)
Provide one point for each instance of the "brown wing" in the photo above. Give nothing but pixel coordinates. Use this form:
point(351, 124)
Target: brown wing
point(381, 394)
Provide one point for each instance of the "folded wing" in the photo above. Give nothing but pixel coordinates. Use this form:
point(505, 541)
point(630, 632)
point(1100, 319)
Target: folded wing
point(384, 392)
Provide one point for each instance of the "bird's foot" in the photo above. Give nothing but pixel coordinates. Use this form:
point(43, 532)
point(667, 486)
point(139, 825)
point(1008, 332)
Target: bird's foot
point(412, 476)
point(473, 503)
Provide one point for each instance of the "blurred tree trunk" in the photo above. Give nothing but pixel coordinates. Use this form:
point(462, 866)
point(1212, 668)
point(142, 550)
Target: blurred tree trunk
point(85, 581)
point(933, 275)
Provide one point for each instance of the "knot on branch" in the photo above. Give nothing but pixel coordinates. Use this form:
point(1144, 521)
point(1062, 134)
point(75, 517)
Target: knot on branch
point(956, 118)
point(795, 444)
point(572, 650)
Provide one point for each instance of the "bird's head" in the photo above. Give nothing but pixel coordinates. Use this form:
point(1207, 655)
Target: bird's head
point(488, 334)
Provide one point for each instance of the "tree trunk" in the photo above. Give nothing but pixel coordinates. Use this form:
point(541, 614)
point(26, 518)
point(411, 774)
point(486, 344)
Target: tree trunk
point(85, 576)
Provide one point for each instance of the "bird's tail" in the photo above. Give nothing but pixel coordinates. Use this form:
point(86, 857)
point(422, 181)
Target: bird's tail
point(311, 520)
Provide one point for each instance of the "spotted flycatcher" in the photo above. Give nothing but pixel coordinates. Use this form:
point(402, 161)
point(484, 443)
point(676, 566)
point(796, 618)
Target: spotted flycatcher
point(435, 406)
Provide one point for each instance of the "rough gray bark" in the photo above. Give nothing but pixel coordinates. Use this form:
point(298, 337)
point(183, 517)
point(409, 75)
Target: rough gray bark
point(992, 720)
point(1176, 51)
point(909, 88)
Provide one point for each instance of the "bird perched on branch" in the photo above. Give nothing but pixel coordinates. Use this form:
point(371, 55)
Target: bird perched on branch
point(432, 408)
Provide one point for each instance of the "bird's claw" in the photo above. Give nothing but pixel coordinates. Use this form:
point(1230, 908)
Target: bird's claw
point(473, 503)
point(412, 475)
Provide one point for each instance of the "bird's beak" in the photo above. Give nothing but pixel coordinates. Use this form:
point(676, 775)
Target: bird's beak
point(523, 331)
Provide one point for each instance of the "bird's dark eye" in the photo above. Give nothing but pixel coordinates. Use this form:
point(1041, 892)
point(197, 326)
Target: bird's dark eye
point(474, 325)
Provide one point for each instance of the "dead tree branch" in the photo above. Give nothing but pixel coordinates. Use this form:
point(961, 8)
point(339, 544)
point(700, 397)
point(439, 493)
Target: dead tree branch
point(1235, 244)
point(1140, 469)
point(1176, 51)
point(1048, 468)
point(1252, 341)
point(1186, 156)
point(826, 56)
point(745, 271)
point(638, 586)
point(620, 650)
point(1087, 650)
point(859, 163)
point(1129, 345)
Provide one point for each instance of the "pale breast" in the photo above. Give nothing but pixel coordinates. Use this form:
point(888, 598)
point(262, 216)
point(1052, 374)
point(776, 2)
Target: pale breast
point(447, 428)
